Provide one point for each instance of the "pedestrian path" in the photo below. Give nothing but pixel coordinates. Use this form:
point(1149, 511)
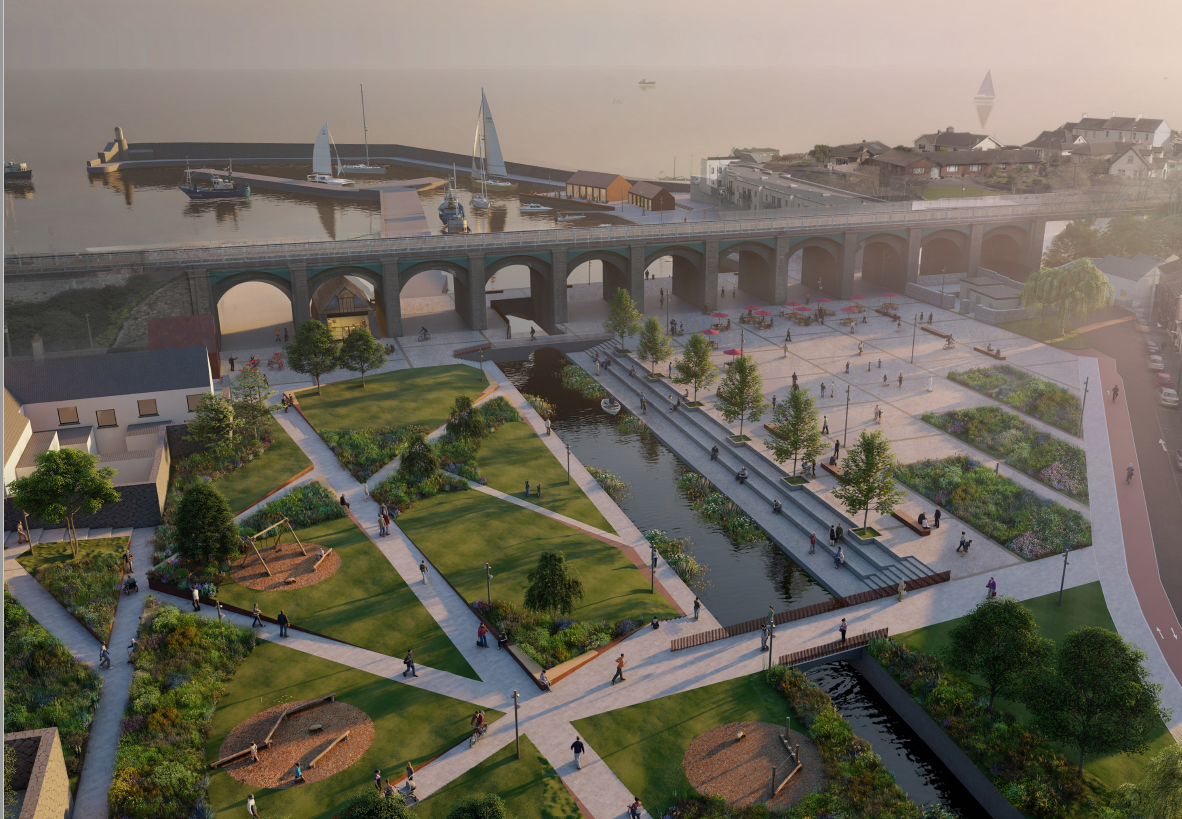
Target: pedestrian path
point(46, 610)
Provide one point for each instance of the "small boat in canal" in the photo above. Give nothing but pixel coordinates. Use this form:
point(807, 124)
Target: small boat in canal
point(535, 209)
point(610, 405)
point(16, 171)
point(219, 188)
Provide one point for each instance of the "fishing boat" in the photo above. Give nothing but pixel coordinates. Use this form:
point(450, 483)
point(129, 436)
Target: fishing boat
point(220, 188)
point(322, 161)
point(451, 210)
point(366, 168)
point(487, 161)
point(535, 209)
point(647, 83)
point(16, 171)
point(985, 93)
point(610, 405)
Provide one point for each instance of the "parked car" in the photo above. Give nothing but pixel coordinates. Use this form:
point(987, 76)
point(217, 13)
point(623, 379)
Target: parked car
point(1155, 363)
point(1167, 397)
point(1178, 459)
point(1152, 347)
point(1162, 380)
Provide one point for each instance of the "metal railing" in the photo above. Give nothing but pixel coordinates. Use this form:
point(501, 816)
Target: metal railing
point(312, 252)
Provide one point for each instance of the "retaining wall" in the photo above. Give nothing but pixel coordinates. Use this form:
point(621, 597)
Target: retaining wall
point(946, 301)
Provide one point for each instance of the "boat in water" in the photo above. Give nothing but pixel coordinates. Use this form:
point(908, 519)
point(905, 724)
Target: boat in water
point(985, 93)
point(647, 83)
point(366, 168)
point(488, 164)
point(219, 188)
point(322, 161)
point(610, 405)
point(535, 209)
point(16, 171)
point(451, 210)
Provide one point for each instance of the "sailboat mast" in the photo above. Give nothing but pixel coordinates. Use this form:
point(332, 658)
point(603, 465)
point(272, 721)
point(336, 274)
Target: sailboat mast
point(364, 128)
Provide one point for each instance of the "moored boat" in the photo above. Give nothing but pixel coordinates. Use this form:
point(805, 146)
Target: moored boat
point(366, 168)
point(219, 188)
point(322, 162)
point(534, 209)
point(16, 171)
point(610, 405)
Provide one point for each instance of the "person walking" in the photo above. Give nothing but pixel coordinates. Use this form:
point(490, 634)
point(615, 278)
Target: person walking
point(250, 806)
point(254, 753)
point(409, 662)
point(377, 779)
point(104, 656)
point(423, 569)
point(578, 747)
point(482, 635)
point(127, 566)
point(840, 531)
point(539, 486)
point(763, 636)
point(697, 609)
point(196, 592)
point(527, 489)
point(900, 380)
point(837, 448)
point(381, 524)
point(1128, 475)
point(824, 424)
point(960, 548)
point(232, 359)
point(842, 628)
point(1115, 391)
point(789, 334)
point(936, 519)
point(774, 399)
point(619, 670)
point(813, 543)
point(822, 389)
point(283, 623)
point(386, 518)
point(991, 589)
point(832, 536)
point(258, 617)
point(643, 405)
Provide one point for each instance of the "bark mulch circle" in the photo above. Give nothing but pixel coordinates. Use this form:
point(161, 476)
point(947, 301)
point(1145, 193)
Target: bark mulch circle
point(741, 772)
point(288, 562)
point(294, 743)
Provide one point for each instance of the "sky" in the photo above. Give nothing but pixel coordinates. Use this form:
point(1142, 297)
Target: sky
point(374, 34)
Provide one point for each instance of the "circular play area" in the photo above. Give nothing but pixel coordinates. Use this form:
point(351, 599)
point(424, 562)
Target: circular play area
point(289, 567)
point(739, 770)
point(323, 736)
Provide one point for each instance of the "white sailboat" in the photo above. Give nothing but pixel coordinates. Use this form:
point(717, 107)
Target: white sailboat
point(986, 90)
point(366, 168)
point(322, 161)
point(478, 202)
point(487, 161)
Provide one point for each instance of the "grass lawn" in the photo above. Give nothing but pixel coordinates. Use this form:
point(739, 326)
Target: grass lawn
point(48, 554)
point(645, 744)
point(514, 454)
point(422, 396)
point(951, 192)
point(460, 531)
point(530, 787)
point(1039, 330)
point(410, 724)
point(1082, 606)
point(249, 483)
point(365, 603)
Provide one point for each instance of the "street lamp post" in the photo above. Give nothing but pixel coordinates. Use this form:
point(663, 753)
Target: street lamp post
point(1063, 580)
point(516, 723)
point(845, 436)
point(914, 330)
point(488, 583)
point(653, 576)
point(771, 644)
point(568, 464)
point(1083, 405)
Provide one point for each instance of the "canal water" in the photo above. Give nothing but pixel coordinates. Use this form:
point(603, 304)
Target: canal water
point(742, 580)
point(917, 769)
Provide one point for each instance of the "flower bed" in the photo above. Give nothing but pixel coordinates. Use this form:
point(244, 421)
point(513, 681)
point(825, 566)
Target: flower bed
point(88, 588)
point(857, 783)
point(1030, 526)
point(576, 378)
point(1006, 436)
point(304, 506)
point(1032, 395)
point(612, 484)
point(633, 424)
point(365, 451)
point(45, 686)
point(181, 664)
point(674, 550)
point(712, 505)
point(541, 406)
point(213, 463)
point(550, 642)
point(1026, 769)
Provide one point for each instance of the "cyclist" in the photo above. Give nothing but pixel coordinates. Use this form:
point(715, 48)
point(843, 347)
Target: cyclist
point(1129, 474)
point(477, 722)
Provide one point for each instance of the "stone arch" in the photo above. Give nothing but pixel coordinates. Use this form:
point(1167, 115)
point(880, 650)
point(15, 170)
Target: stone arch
point(374, 279)
point(821, 261)
point(616, 268)
point(756, 269)
point(543, 291)
point(223, 286)
point(1002, 250)
point(884, 261)
point(689, 272)
point(943, 251)
point(460, 272)
point(460, 278)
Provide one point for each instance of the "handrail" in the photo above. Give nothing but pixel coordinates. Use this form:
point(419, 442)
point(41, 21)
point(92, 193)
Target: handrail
point(312, 252)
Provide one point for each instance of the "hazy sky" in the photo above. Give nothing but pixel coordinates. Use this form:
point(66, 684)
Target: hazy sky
point(503, 33)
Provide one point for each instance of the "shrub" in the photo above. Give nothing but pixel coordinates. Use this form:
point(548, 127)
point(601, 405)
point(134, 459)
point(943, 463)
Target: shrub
point(44, 685)
point(1019, 389)
point(541, 406)
point(365, 451)
point(674, 550)
point(480, 806)
point(88, 588)
point(1018, 519)
point(304, 506)
point(547, 641)
point(612, 484)
point(633, 424)
point(712, 505)
point(205, 527)
point(181, 664)
point(576, 378)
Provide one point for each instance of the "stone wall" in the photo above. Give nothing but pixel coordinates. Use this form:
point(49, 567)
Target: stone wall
point(173, 299)
point(987, 315)
point(41, 773)
point(40, 288)
point(933, 297)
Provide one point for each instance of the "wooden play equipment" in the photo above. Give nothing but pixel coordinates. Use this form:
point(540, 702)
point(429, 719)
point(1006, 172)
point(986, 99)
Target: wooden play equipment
point(287, 712)
point(792, 764)
point(278, 526)
point(316, 565)
point(331, 745)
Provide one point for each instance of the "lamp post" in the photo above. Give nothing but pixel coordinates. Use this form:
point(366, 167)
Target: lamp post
point(516, 723)
point(89, 337)
point(1083, 405)
point(1063, 580)
point(482, 362)
point(846, 435)
point(771, 644)
point(653, 576)
point(914, 330)
point(568, 464)
point(488, 584)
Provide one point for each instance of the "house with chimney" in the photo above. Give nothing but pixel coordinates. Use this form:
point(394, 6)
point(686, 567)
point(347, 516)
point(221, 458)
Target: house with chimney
point(1138, 129)
point(952, 140)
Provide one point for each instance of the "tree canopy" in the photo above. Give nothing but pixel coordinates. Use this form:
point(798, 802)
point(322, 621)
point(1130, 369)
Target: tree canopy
point(623, 319)
point(998, 641)
point(654, 345)
point(314, 351)
point(361, 352)
point(795, 429)
point(465, 422)
point(251, 397)
point(480, 806)
point(554, 586)
point(420, 460)
point(1075, 290)
point(369, 803)
point(1158, 795)
point(868, 477)
point(214, 421)
point(65, 483)
point(205, 527)
point(695, 368)
point(740, 395)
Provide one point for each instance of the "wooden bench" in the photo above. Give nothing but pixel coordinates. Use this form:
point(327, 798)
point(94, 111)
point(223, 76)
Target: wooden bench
point(934, 331)
point(331, 745)
point(990, 353)
point(911, 523)
point(316, 565)
point(310, 704)
point(832, 470)
point(226, 760)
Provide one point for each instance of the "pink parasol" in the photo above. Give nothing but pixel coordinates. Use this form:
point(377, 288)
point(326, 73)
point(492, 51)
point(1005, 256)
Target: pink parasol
point(720, 315)
point(733, 352)
point(762, 313)
point(849, 309)
point(803, 309)
point(793, 304)
point(709, 332)
point(859, 298)
point(891, 295)
point(823, 299)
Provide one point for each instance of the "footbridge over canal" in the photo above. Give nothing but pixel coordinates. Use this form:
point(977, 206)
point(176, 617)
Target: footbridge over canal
point(894, 243)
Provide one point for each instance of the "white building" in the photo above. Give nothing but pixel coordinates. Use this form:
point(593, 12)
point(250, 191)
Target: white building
point(712, 169)
point(1133, 280)
point(1139, 162)
point(1152, 132)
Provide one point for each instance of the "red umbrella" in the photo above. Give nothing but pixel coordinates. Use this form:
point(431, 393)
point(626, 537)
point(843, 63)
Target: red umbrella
point(720, 315)
point(891, 295)
point(849, 309)
point(762, 313)
point(709, 332)
point(859, 298)
point(733, 352)
point(803, 309)
point(793, 304)
point(823, 299)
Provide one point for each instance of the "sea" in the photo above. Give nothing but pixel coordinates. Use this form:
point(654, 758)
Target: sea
point(596, 119)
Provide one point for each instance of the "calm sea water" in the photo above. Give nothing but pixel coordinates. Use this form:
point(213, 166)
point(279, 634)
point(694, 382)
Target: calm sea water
point(595, 118)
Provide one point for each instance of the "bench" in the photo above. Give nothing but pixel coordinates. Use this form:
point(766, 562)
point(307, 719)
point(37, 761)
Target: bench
point(882, 311)
point(911, 523)
point(316, 565)
point(226, 760)
point(310, 704)
point(832, 470)
point(934, 331)
point(990, 353)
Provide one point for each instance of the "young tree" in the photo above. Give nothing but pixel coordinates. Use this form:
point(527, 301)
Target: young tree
point(868, 477)
point(623, 319)
point(1159, 793)
point(1077, 289)
point(795, 430)
point(554, 586)
point(250, 395)
point(821, 153)
point(740, 395)
point(369, 803)
point(205, 527)
point(480, 806)
point(1097, 695)
point(213, 421)
point(360, 351)
point(465, 421)
point(653, 345)
point(314, 351)
point(420, 460)
point(998, 640)
point(695, 367)
point(65, 483)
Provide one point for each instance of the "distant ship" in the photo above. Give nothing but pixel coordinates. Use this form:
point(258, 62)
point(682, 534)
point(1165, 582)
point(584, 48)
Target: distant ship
point(451, 210)
point(322, 161)
point(16, 170)
point(648, 82)
point(488, 164)
point(222, 188)
point(985, 93)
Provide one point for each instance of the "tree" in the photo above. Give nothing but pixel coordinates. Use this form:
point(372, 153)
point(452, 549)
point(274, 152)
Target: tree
point(654, 345)
point(65, 483)
point(1078, 240)
point(213, 421)
point(623, 319)
point(369, 803)
point(998, 640)
point(205, 527)
point(868, 477)
point(420, 460)
point(360, 352)
point(1159, 793)
point(795, 430)
point(821, 153)
point(1077, 289)
point(465, 421)
point(250, 401)
point(695, 367)
point(480, 806)
point(554, 586)
point(740, 395)
point(314, 351)
point(1096, 695)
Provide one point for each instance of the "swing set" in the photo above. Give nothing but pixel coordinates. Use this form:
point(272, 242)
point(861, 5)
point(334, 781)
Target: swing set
point(278, 528)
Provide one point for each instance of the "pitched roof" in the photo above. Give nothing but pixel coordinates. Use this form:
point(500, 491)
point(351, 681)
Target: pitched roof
point(14, 423)
point(647, 190)
point(857, 148)
point(1051, 140)
point(1132, 269)
point(1119, 124)
point(954, 139)
point(901, 158)
point(95, 376)
point(593, 179)
point(997, 155)
point(1099, 148)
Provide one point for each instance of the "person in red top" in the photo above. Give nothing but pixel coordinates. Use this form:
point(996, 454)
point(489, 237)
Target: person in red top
point(634, 808)
point(482, 636)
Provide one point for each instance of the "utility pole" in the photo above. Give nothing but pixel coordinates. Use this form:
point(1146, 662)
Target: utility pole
point(771, 644)
point(846, 435)
point(516, 723)
point(653, 576)
point(1084, 405)
point(488, 583)
point(914, 330)
point(1063, 581)
point(568, 464)
point(89, 337)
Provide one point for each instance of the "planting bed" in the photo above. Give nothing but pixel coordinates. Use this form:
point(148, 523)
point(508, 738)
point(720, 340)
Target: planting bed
point(1032, 395)
point(87, 586)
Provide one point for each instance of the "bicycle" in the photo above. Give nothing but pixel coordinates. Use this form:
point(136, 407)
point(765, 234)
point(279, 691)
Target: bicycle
point(1128, 476)
point(477, 734)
